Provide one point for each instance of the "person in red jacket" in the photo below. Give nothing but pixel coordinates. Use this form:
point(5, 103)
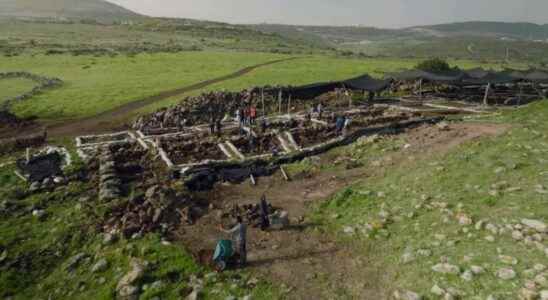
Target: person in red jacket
point(252, 114)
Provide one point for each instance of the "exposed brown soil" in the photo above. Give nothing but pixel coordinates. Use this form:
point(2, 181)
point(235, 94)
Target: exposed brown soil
point(114, 119)
point(313, 264)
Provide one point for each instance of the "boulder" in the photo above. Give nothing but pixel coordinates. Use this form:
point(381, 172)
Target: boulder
point(129, 292)
point(506, 274)
point(406, 295)
point(100, 266)
point(537, 225)
point(446, 268)
point(137, 271)
point(75, 261)
point(34, 187)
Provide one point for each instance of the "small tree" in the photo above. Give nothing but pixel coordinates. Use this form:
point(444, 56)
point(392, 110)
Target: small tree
point(434, 65)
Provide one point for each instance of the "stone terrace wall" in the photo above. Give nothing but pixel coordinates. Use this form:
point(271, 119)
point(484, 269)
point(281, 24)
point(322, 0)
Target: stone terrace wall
point(42, 81)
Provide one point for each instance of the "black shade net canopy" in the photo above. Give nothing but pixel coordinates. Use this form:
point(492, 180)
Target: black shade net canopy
point(457, 77)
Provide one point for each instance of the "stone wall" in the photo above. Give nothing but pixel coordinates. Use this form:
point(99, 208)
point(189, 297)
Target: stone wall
point(43, 83)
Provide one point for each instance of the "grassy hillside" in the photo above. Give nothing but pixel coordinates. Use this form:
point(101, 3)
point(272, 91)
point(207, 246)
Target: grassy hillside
point(470, 40)
point(497, 29)
point(462, 208)
point(66, 9)
point(149, 35)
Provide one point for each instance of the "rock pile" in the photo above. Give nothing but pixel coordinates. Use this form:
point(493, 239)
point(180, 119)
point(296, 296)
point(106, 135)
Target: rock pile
point(109, 184)
point(22, 142)
point(144, 213)
point(251, 213)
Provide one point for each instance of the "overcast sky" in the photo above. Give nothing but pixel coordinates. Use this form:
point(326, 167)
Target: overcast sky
point(379, 13)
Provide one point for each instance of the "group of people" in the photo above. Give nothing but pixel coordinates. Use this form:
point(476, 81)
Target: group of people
point(207, 108)
point(246, 116)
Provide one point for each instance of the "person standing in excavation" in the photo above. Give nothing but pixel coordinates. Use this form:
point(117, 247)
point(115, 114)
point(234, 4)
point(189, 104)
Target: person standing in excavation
point(239, 237)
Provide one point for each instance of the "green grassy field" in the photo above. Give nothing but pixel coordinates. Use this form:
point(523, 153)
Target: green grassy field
point(97, 84)
point(496, 180)
point(12, 87)
point(316, 69)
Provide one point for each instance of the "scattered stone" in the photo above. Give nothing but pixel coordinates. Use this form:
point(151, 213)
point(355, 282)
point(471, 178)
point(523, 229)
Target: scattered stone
point(499, 170)
point(436, 290)
point(407, 257)
point(539, 267)
point(137, 271)
point(127, 291)
point(467, 275)
point(446, 268)
point(100, 266)
point(541, 280)
point(4, 255)
point(477, 270)
point(536, 225)
point(490, 238)
point(424, 252)
point(479, 225)
point(509, 260)
point(440, 237)
point(506, 274)
point(74, 261)
point(527, 294)
point(34, 187)
point(544, 295)
point(443, 125)
point(406, 295)
point(517, 235)
point(349, 230)
point(464, 220)
point(109, 238)
point(492, 228)
point(195, 295)
point(39, 214)
point(513, 189)
point(102, 280)
point(448, 296)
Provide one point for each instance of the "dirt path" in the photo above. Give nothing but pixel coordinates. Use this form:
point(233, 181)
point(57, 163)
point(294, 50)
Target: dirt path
point(305, 259)
point(113, 119)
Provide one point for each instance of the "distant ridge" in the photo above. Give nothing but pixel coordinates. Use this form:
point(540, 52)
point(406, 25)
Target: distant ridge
point(99, 10)
point(520, 30)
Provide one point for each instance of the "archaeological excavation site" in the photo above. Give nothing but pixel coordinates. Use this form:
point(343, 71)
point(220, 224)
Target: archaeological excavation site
point(265, 157)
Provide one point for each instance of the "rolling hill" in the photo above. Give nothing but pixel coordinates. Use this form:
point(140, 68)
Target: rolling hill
point(99, 10)
point(525, 31)
point(473, 40)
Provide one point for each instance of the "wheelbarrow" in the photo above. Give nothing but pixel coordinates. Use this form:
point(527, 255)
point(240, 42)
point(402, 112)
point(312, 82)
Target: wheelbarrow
point(224, 255)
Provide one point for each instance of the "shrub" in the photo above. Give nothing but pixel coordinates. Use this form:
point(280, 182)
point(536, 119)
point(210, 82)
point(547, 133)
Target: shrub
point(434, 65)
